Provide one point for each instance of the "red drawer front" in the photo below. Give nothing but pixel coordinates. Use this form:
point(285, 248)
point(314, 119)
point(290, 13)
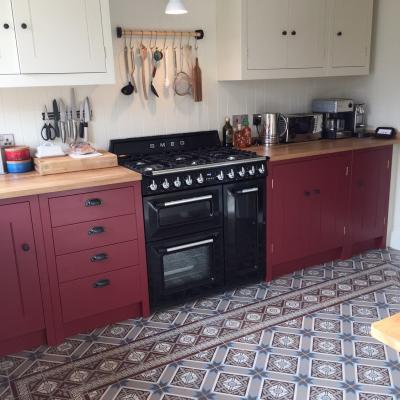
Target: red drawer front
point(89, 206)
point(80, 298)
point(89, 235)
point(96, 261)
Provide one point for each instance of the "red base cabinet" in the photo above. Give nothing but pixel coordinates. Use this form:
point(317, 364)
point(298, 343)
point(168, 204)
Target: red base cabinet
point(370, 198)
point(96, 257)
point(326, 207)
point(23, 277)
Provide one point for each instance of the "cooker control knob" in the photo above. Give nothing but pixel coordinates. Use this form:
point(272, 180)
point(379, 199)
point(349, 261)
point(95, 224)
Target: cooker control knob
point(261, 170)
point(200, 179)
point(165, 184)
point(220, 176)
point(252, 171)
point(242, 172)
point(177, 182)
point(231, 174)
point(153, 186)
point(189, 180)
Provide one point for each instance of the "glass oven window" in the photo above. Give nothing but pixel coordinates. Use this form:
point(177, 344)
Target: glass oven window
point(187, 265)
point(187, 212)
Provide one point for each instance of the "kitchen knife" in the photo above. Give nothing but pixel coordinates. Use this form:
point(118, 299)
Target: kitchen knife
point(82, 120)
point(87, 119)
point(63, 122)
point(74, 116)
point(56, 118)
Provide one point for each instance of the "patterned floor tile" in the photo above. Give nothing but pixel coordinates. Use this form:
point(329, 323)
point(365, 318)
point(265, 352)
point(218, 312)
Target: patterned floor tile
point(240, 358)
point(278, 390)
point(189, 378)
point(232, 384)
point(282, 364)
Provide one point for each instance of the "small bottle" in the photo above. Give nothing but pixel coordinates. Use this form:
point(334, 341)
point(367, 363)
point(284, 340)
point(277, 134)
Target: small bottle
point(227, 133)
point(246, 132)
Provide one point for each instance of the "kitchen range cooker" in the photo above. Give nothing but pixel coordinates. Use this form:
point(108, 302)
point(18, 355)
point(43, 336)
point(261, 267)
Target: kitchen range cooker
point(204, 211)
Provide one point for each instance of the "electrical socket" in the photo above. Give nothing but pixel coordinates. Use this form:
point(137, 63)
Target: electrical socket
point(257, 118)
point(7, 140)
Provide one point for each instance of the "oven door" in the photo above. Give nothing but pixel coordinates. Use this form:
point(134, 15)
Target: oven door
point(181, 213)
point(182, 264)
point(244, 231)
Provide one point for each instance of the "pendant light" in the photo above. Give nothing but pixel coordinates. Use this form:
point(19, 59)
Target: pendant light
point(175, 7)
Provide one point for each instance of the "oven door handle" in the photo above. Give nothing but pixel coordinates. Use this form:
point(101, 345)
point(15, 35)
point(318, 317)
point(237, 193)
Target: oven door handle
point(187, 201)
point(190, 245)
point(249, 190)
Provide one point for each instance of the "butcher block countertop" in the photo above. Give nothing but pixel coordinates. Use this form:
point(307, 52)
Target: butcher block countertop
point(31, 183)
point(387, 331)
point(298, 150)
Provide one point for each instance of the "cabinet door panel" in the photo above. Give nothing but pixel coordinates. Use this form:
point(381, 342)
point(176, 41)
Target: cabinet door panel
point(20, 294)
point(306, 33)
point(8, 45)
point(352, 21)
point(61, 36)
point(267, 46)
point(291, 212)
point(330, 194)
point(370, 193)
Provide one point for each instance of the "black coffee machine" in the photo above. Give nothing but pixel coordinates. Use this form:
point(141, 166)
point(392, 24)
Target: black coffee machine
point(338, 117)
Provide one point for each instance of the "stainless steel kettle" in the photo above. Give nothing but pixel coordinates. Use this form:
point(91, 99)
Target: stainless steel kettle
point(273, 125)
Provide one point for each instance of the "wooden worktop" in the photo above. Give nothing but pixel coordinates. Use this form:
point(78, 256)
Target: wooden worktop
point(387, 331)
point(298, 150)
point(31, 183)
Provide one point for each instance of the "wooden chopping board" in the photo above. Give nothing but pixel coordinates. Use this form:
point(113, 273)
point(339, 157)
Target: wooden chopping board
point(60, 165)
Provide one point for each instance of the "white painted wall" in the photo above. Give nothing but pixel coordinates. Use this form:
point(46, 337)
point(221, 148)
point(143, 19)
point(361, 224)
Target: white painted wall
point(117, 116)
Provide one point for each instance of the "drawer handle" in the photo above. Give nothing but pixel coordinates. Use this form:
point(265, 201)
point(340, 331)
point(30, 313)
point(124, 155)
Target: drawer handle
point(96, 230)
point(99, 257)
point(93, 203)
point(25, 247)
point(101, 283)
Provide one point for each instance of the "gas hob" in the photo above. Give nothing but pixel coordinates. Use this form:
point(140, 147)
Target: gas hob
point(179, 162)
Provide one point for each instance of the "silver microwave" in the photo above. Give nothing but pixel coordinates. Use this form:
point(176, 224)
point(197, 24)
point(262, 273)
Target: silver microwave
point(294, 128)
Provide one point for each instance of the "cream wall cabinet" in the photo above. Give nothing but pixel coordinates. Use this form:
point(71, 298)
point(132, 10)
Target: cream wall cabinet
point(270, 39)
point(58, 42)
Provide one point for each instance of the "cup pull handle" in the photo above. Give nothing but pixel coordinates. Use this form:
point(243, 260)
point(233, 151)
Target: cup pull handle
point(101, 283)
point(93, 202)
point(99, 257)
point(96, 230)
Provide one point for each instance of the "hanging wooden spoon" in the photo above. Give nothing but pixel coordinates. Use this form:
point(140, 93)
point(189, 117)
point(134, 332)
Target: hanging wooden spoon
point(143, 56)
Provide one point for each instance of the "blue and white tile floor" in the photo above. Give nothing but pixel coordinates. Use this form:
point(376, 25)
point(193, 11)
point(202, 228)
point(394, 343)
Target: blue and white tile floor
point(303, 336)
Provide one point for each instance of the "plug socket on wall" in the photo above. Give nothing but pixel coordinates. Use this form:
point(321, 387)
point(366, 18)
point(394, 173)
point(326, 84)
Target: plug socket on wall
point(7, 140)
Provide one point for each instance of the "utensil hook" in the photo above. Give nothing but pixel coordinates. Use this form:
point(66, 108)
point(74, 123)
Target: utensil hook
point(155, 44)
point(173, 42)
point(141, 40)
point(165, 47)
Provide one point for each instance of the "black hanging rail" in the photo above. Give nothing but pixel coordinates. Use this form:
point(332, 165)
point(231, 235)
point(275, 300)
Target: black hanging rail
point(122, 32)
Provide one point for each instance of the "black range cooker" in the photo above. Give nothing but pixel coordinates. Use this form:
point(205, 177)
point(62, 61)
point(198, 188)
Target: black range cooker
point(204, 212)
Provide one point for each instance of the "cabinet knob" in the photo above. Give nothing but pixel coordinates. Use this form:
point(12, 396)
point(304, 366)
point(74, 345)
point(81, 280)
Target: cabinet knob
point(6, 26)
point(294, 33)
point(24, 25)
point(307, 194)
point(339, 33)
point(25, 247)
point(284, 33)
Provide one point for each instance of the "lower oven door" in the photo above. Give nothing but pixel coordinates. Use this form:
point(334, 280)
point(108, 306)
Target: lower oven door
point(244, 231)
point(181, 213)
point(184, 264)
